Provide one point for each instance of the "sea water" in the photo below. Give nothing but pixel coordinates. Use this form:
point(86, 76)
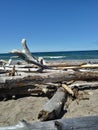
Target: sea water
point(59, 55)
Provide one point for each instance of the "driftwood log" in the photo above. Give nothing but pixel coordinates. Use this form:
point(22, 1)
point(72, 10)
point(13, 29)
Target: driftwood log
point(22, 85)
point(84, 85)
point(52, 109)
point(68, 89)
point(26, 55)
point(42, 78)
point(86, 66)
point(81, 123)
point(29, 90)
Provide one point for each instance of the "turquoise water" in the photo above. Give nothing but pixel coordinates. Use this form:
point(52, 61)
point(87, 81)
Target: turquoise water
point(63, 55)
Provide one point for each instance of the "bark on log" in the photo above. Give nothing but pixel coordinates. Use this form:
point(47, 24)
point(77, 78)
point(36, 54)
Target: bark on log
point(27, 56)
point(42, 78)
point(80, 123)
point(38, 90)
point(52, 109)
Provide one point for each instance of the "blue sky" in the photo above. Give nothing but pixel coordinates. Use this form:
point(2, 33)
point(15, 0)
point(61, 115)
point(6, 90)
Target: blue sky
point(49, 25)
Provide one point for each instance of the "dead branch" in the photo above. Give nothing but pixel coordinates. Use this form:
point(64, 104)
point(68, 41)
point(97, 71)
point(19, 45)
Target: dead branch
point(26, 55)
point(68, 89)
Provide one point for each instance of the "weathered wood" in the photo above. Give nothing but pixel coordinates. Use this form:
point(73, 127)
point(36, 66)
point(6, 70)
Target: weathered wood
point(84, 85)
point(42, 78)
point(19, 69)
point(27, 69)
point(53, 108)
point(26, 55)
point(80, 123)
point(26, 65)
point(37, 89)
point(3, 71)
point(28, 90)
point(68, 89)
point(67, 63)
point(2, 62)
point(90, 66)
point(47, 89)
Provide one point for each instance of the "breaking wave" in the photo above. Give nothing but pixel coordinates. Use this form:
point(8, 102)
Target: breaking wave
point(54, 57)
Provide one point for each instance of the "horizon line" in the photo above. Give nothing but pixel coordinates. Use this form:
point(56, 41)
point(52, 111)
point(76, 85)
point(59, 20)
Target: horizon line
point(52, 51)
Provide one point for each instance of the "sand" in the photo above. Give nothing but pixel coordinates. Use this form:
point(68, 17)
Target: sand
point(83, 107)
point(27, 108)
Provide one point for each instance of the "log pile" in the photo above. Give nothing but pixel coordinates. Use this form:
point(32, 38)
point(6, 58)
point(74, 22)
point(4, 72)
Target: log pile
point(57, 82)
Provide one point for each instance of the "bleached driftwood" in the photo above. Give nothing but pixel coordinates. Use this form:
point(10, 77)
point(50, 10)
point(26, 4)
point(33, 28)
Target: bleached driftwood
point(42, 78)
point(28, 69)
point(31, 68)
point(76, 67)
point(68, 89)
point(26, 55)
point(80, 123)
point(2, 62)
point(84, 85)
point(53, 108)
point(67, 63)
